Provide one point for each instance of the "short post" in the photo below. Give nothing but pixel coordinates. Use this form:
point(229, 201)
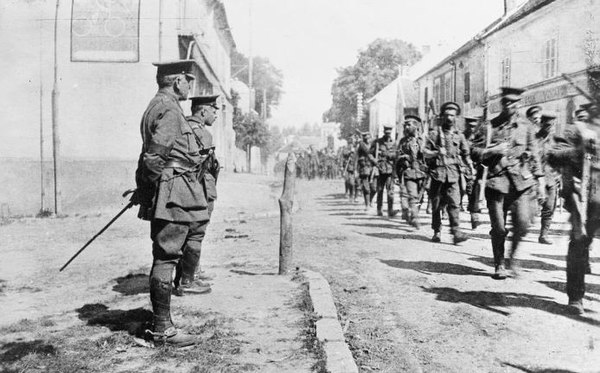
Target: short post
point(286, 202)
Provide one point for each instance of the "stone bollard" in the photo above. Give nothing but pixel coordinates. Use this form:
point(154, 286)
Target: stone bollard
point(286, 202)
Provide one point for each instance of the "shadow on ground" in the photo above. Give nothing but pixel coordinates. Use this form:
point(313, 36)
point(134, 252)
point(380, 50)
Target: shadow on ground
point(536, 370)
point(132, 284)
point(489, 301)
point(436, 267)
point(523, 263)
point(404, 236)
point(14, 351)
point(562, 287)
point(134, 321)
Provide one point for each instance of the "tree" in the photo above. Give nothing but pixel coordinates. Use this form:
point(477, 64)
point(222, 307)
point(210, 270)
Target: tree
point(266, 78)
point(250, 130)
point(376, 66)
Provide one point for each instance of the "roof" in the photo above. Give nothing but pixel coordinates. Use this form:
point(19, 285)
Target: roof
point(517, 14)
point(221, 16)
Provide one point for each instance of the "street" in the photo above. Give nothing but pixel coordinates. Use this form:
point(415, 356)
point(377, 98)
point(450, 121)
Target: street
point(405, 304)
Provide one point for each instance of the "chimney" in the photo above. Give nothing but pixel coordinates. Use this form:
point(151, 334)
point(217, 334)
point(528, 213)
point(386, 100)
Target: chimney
point(511, 5)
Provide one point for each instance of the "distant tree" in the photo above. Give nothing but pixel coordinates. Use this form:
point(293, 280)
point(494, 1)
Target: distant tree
point(250, 130)
point(376, 67)
point(265, 77)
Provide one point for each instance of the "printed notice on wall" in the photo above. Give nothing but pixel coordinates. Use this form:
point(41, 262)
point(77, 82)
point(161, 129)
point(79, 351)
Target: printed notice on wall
point(105, 30)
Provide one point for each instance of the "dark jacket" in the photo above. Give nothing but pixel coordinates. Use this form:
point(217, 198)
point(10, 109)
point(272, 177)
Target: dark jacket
point(448, 167)
point(520, 165)
point(410, 161)
point(384, 150)
point(166, 176)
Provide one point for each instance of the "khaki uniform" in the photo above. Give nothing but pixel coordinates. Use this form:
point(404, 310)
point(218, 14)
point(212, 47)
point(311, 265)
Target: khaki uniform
point(384, 150)
point(446, 172)
point(580, 138)
point(348, 162)
point(511, 177)
point(546, 142)
point(364, 165)
point(412, 173)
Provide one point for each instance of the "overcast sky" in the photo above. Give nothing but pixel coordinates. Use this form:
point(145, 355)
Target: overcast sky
point(309, 39)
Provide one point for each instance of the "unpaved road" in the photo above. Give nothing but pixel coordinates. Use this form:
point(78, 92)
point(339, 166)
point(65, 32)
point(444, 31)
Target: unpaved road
point(411, 305)
point(406, 305)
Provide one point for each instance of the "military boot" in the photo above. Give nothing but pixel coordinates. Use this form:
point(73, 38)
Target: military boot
point(499, 272)
point(475, 220)
point(576, 307)
point(185, 281)
point(460, 237)
point(543, 239)
point(390, 209)
point(405, 215)
point(437, 237)
point(164, 332)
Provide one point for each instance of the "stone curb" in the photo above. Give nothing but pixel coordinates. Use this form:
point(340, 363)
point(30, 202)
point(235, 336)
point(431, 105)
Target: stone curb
point(329, 331)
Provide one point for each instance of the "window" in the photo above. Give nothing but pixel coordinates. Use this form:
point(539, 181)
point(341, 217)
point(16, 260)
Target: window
point(437, 91)
point(467, 80)
point(505, 72)
point(550, 58)
point(448, 87)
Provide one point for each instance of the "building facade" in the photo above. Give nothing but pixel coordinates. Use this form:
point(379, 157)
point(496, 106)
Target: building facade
point(530, 46)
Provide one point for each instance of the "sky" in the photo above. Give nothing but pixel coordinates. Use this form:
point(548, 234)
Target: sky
point(309, 39)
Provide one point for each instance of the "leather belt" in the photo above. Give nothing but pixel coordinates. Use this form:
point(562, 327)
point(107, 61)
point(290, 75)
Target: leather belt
point(180, 163)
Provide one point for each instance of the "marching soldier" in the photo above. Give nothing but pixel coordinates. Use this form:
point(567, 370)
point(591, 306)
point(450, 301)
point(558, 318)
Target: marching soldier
point(365, 166)
point(506, 145)
point(473, 187)
point(534, 115)
point(169, 191)
point(205, 111)
point(411, 169)
point(447, 152)
point(577, 155)
point(545, 137)
point(348, 162)
point(384, 151)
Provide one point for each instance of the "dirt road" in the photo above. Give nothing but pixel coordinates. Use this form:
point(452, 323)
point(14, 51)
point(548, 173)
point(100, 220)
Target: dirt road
point(411, 305)
point(405, 303)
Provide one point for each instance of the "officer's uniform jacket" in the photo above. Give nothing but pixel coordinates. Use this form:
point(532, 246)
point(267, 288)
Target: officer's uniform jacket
point(449, 167)
point(168, 164)
point(365, 160)
point(410, 159)
point(205, 141)
point(520, 165)
point(546, 142)
point(386, 155)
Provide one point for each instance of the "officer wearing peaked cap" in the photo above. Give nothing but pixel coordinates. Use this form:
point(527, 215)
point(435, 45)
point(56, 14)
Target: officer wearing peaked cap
point(168, 191)
point(507, 146)
point(205, 111)
point(447, 152)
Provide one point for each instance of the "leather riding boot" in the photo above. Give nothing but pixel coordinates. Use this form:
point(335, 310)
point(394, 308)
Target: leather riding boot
point(164, 332)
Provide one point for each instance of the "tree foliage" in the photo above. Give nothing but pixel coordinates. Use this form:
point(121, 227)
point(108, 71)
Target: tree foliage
point(251, 130)
point(377, 66)
point(265, 77)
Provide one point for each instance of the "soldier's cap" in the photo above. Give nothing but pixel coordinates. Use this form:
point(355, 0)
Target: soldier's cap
point(365, 133)
point(387, 127)
point(408, 118)
point(532, 110)
point(471, 120)
point(579, 111)
point(450, 106)
point(165, 68)
point(205, 100)
point(548, 116)
point(511, 93)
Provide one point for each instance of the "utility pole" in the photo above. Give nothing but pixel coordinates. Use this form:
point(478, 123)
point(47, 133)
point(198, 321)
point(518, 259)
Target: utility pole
point(55, 118)
point(42, 192)
point(249, 155)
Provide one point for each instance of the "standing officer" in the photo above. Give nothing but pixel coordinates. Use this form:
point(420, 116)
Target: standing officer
point(169, 192)
point(473, 186)
point(506, 145)
point(205, 111)
point(411, 169)
point(364, 164)
point(384, 150)
point(545, 137)
point(447, 152)
point(579, 149)
point(348, 162)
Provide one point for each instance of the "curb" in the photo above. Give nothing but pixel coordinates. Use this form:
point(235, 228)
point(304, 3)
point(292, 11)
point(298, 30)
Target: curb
point(329, 331)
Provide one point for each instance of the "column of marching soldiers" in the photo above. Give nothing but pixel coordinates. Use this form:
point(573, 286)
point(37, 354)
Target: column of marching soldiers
point(513, 163)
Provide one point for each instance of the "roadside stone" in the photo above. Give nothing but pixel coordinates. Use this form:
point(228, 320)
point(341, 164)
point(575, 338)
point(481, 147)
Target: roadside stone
point(339, 358)
point(328, 330)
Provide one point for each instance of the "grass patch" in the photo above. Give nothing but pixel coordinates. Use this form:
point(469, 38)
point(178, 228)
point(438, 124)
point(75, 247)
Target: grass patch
point(309, 330)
